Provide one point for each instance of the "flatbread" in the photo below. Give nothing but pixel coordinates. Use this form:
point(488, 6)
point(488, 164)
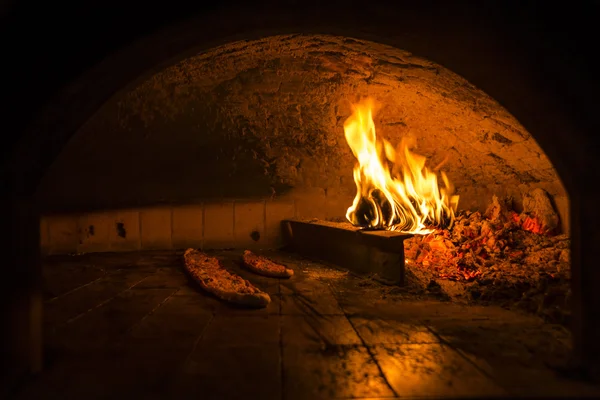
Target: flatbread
point(212, 277)
point(263, 266)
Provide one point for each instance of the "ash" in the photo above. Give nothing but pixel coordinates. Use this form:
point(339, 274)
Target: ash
point(501, 257)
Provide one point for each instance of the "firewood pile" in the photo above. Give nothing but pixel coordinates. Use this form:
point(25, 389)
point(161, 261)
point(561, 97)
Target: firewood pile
point(499, 256)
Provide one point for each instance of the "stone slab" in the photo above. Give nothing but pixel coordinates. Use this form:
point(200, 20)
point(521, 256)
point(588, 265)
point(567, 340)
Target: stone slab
point(369, 252)
point(317, 372)
point(432, 370)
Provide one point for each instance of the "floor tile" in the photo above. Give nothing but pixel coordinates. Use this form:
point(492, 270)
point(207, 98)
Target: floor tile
point(56, 284)
point(300, 284)
point(221, 372)
point(312, 372)
point(318, 330)
point(108, 323)
point(166, 329)
point(378, 331)
point(432, 370)
point(75, 303)
point(166, 338)
point(164, 278)
point(238, 330)
point(102, 377)
point(521, 372)
point(317, 303)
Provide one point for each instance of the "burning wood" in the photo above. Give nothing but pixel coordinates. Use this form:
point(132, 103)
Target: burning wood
point(501, 257)
point(394, 188)
point(516, 255)
point(497, 237)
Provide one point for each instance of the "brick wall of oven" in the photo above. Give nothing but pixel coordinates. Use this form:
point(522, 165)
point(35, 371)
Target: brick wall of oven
point(264, 119)
point(210, 225)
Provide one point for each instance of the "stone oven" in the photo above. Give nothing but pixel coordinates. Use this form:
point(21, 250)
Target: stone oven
point(251, 132)
point(217, 150)
point(213, 143)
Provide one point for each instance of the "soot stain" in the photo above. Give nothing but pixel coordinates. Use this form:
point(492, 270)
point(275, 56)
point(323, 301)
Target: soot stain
point(121, 232)
point(255, 235)
point(501, 139)
point(91, 230)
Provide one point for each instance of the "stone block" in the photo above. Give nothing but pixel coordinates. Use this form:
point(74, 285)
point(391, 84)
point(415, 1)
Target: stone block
point(531, 163)
point(491, 173)
point(337, 205)
point(546, 175)
point(499, 129)
point(309, 372)
point(266, 82)
point(275, 212)
point(155, 224)
point(218, 225)
point(380, 253)
point(522, 150)
point(522, 165)
point(311, 204)
point(408, 370)
point(294, 84)
point(124, 230)
point(187, 226)
point(319, 330)
point(62, 232)
point(249, 224)
point(243, 330)
point(93, 231)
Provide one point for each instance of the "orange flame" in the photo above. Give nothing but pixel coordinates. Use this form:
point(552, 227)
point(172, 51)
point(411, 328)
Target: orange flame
point(395, 191)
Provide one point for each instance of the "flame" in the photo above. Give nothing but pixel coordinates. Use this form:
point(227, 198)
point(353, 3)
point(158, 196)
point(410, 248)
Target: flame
point(395, 191)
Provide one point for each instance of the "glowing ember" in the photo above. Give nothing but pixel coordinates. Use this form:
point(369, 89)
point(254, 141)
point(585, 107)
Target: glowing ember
point(395, 191)
point(531, 224)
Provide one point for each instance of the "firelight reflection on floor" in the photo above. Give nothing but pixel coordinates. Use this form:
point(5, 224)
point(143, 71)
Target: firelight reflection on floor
point(130, 324)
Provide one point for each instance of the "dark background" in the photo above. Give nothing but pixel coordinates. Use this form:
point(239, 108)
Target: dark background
point(45, 45)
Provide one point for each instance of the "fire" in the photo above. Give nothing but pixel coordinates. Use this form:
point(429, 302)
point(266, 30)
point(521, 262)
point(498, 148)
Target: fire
point(395, 190)
point(531, 224)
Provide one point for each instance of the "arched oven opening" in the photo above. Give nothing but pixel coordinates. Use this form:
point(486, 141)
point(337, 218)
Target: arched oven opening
point(426, 228)
point(215, 151)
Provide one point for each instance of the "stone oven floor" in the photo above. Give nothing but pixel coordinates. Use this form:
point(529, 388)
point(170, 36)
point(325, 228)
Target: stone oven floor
point(130, 325)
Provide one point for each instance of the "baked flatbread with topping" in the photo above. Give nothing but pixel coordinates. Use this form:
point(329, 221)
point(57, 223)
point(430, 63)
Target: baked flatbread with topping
point(212, 277)
point(263, 266)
